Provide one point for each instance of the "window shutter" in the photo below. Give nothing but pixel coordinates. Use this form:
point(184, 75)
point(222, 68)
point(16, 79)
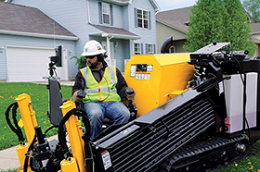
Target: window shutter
point(142, 50)
point(100, 12)
point(146, 48)
point(150, 20)
point(154, 48)
point(111, 15)
point(135, 17)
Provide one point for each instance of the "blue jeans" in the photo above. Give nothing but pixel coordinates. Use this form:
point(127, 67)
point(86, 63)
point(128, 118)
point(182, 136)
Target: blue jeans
point(96, 112)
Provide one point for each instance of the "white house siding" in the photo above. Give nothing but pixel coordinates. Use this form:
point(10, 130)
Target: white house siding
point(74, 17)
point(120, 20)
point(22, 41)
point(122, 52)
point(125, 17)
point(3, 69)
point(148, 35)
point(164, 32)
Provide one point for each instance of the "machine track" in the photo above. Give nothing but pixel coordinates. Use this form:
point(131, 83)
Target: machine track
point(207, 155)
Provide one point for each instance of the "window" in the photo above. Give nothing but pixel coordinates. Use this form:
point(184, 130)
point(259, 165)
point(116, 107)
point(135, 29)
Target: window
point(137, 48)
point(142, 18)
point(150, 49)
point(106, 13)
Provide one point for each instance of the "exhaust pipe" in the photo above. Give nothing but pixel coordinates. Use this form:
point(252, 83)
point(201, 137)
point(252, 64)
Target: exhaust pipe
point(167, 45)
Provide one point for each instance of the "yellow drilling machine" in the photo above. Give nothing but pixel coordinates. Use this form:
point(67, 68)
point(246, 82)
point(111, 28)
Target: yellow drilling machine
point(192, 112)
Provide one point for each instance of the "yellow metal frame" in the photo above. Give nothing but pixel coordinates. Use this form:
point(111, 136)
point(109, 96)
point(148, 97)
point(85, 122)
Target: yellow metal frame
point(69, 165)
point(29, 121)
point(167, 76)
point(27, 115)
point(75, 133)
point(74, 129)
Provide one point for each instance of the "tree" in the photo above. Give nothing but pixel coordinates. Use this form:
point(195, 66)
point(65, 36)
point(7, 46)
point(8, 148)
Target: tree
point(237, 28)
point(221, 21)
point(253, 10)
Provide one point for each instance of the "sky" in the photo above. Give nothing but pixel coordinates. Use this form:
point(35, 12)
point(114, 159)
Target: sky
point(174, 4)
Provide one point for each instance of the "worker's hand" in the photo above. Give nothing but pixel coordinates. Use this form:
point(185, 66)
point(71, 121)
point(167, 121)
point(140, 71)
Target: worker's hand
point(130, 94)
point(75, 96)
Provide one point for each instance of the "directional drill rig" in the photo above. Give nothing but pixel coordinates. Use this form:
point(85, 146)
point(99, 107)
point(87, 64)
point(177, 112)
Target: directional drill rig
point(196, 112)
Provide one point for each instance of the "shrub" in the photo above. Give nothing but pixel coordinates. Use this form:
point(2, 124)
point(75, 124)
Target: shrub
point(81, 62)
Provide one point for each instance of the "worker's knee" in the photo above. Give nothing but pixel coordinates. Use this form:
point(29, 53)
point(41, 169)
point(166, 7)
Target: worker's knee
point(94, 112)
point(95, 116)
point(125, 115)
point(121, 114)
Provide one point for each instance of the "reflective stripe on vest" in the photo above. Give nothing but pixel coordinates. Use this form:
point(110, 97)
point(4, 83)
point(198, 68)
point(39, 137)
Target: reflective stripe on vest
point(105, 90)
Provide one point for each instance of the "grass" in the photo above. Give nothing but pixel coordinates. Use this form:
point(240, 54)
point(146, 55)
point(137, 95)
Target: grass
point(250, 163)
point(39, 97)
point(10, 170)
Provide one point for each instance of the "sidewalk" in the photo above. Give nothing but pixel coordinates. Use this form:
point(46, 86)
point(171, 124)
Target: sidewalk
point(8, 157)
point(69, 83)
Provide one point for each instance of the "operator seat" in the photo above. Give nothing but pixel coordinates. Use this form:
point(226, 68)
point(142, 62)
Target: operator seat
point(130, 106)
point(55, 113)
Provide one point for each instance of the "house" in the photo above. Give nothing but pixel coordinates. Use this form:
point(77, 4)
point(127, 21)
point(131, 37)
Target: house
point(175, 23)
point(255, 31)
point(123, 27)
point(172, 23)
point(28, 38)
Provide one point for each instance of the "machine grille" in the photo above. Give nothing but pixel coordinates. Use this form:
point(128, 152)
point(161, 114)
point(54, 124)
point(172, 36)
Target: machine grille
point(146, 148)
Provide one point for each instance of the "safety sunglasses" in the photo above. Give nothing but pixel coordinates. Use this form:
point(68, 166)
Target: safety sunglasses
point(90, 57)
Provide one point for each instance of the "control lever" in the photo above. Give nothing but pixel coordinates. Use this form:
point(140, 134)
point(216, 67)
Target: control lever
point(131, 106)
point(81, 94)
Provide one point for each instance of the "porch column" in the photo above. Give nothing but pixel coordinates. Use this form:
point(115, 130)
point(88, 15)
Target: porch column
point(108, 48)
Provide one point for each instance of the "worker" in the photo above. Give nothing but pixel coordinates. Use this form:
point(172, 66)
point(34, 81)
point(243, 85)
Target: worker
point(105, 88)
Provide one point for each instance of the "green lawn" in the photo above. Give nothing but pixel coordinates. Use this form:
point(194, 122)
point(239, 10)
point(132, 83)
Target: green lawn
point(250, 163)
point(39, 97)
point(11, 170)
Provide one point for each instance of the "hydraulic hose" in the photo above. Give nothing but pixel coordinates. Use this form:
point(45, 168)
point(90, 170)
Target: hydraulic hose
point(25, 166)
point(16, 129)
point(86, 136)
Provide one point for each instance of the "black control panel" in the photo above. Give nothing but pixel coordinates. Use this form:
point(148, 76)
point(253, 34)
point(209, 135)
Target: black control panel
point(141, 68)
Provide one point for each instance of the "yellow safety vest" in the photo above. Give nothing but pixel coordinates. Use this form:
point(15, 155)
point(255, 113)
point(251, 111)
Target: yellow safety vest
point(105, 90)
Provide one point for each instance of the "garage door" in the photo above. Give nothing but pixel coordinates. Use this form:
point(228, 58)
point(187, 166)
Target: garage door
point(27, 64)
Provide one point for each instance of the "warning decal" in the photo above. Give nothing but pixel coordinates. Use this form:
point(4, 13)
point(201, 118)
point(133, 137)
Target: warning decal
point(106, 159)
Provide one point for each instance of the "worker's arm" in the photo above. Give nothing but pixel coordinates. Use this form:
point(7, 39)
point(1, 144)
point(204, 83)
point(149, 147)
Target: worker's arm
point(121, 85)
point(78, 85)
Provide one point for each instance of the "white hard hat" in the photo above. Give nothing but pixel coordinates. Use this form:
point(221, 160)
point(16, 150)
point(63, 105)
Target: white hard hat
point(92, 48)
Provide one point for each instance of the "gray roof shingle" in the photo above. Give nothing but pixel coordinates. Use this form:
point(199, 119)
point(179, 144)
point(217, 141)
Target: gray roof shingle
point(120, 2)
point(124, 0)
point(179, 17)
point(27, 19)
point(113, 30)
point(175, 18)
